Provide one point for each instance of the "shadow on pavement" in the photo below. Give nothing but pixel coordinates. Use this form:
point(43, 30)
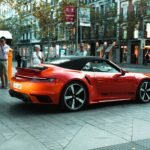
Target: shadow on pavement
point(111, 104)
point(23, 109)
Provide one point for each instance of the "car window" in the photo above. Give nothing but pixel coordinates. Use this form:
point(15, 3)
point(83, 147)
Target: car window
point(103, 66)
point(87, 67)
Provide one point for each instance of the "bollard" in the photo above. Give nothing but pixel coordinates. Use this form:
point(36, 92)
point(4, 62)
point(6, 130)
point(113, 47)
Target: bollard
point(10, 66)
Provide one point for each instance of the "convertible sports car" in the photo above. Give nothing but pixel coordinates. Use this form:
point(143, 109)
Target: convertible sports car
point(73, 82)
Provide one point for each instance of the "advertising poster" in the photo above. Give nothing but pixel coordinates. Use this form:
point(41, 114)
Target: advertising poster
point(84, 17)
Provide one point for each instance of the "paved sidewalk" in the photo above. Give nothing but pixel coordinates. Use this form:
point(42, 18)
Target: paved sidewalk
point(110, 126)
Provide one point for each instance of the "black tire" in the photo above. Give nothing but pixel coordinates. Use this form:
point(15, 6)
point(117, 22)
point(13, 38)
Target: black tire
point(74, 97)
point(144, 92)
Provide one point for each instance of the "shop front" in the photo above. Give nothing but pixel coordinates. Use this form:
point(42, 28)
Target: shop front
point(131, 53)
point(123, 53)
point(134, 53)
point(146, 53)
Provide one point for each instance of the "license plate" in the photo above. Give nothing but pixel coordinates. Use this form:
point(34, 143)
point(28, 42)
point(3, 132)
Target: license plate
point(17, 85)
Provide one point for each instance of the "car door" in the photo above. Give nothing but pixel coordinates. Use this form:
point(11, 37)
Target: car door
point(111, 83)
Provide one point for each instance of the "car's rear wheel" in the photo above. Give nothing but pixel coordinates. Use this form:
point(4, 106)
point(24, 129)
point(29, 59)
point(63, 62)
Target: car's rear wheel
point(74, 97)
point(144, 91)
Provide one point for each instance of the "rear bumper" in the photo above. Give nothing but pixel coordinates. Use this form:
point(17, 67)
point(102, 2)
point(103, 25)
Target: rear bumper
point(19, 95)
point(35, 91)
point(43, 99)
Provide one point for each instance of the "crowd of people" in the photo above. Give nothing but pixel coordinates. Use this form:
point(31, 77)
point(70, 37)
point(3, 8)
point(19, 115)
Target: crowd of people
point(37, 56)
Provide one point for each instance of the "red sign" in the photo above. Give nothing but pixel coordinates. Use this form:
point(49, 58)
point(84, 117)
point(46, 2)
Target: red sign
point(70, 14)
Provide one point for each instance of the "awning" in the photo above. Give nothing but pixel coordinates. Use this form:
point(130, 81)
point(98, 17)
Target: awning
point(5, 34)
point(147, 47)
point(100, 48)
point(108, 48)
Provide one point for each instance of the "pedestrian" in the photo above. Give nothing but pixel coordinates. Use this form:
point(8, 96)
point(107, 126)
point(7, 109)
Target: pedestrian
point(37, 57)
point(147, 58)
point(82, 51)
point(4, 50)
point(18, 59)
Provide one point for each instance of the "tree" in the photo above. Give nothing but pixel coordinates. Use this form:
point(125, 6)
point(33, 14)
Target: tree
point(131, 24)
point(15, 24)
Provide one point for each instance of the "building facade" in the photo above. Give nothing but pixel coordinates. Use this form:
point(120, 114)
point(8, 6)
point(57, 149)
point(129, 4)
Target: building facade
point(125, 31)
point(119, 29)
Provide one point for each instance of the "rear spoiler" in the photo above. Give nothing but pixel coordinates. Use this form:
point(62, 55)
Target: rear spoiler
point(33, 70)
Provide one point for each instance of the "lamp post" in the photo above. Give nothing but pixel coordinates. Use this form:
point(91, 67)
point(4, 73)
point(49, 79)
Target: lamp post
point(50, 33)
point(77, 24)
point(118, 32)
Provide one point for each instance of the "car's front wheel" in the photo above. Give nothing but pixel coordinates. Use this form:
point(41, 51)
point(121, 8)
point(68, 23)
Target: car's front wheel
point(144, 92)
point(74, 97)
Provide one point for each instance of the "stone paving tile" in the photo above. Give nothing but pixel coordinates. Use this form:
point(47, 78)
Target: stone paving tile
point(55, 130)
point(135, 145)
point(8, 135)
point(2, 139)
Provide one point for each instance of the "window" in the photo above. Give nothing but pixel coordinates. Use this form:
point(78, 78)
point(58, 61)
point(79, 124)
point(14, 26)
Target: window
point(124, 7)
point(87, 67)
point(148, 5)
point(103, 66)
point(100, 66)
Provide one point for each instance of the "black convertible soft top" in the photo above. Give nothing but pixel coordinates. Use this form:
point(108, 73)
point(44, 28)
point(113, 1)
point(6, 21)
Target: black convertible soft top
point(73, 62)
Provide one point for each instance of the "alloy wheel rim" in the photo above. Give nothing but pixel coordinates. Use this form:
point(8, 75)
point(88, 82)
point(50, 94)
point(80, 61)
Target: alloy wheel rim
point(75, 96)
point(145, 91)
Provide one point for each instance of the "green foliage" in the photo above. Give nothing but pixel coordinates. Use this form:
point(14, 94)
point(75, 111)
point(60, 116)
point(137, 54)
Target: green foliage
point(43, 13)
point(15, 23)
point(49, 17)
point(132, 21)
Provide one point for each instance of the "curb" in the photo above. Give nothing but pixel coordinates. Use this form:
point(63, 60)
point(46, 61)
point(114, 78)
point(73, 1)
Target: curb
point(134, 66)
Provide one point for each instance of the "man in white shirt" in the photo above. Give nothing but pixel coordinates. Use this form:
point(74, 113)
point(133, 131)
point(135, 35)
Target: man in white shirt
point(37, 56)
point(4, 50)
point(81, 51)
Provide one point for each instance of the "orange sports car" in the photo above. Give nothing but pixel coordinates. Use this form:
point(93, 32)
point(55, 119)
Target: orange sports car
point(73, 82)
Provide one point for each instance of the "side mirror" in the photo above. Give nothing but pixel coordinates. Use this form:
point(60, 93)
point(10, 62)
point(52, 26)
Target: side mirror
point(123, 72)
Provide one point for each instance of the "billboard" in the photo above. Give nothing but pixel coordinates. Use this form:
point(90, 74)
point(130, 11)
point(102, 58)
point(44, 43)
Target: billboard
point(70, 14)
point(84, 17)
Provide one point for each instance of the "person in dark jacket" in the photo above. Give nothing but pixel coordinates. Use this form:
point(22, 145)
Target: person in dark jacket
point(146, 58)
point(18, 59)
